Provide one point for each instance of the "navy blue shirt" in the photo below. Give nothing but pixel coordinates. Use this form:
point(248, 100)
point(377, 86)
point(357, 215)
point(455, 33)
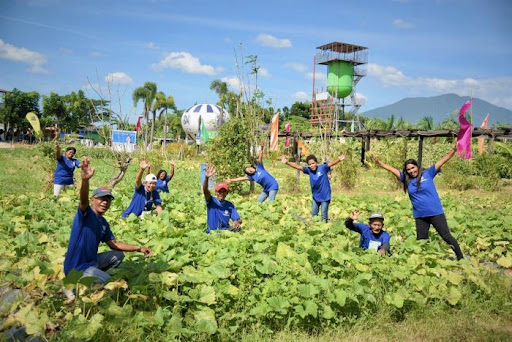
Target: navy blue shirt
point(368, 238)
point(87, 231)
point(161, 185)
point(263, 178)
point(425, 200)
point(320, 185)
point(219, 213)
point(64, 171)
point(142, 201)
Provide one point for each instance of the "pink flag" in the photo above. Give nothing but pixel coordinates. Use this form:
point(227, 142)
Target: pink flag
point(287, 141)
point(274, 132)
point(137, 127)
point(464, 135)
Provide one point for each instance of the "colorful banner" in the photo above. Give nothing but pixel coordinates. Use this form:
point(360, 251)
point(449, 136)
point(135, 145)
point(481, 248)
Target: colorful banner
point(464, 135)
point(481, 140)
point(274, 132)
point(137, 127)
point(287, 128)
point(304, 148)
point(34, 121)
point(205, 136)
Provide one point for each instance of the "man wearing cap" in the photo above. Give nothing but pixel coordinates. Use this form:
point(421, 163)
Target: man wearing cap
point(219, 211)
point(145, 195)
point(89, 228)
point(372, 236)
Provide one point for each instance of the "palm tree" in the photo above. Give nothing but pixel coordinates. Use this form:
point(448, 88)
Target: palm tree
point(426, 123)
point(162, 103)
point(147, 94)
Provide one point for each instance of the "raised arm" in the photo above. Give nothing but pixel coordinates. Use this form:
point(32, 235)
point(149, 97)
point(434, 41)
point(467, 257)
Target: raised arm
point(87, 173)
point(386, 166)
point(447, 157)
point(58, 152)
point(349, 221)
point(234, 180)
point(260, 156)
point(143, 165)
point(337, 160)
point(284, 160)
point(171, 171)
point(209, 172)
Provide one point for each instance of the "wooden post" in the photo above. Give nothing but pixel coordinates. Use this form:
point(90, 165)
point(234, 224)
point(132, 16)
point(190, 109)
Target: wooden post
point(296, 156)
point(362, 149)
point(420, 151)
point(367, 143)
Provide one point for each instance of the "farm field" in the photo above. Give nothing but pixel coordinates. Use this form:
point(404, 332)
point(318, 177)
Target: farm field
point(285, 277)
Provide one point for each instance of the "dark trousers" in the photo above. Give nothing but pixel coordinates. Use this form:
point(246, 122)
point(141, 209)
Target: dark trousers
point(440, 224)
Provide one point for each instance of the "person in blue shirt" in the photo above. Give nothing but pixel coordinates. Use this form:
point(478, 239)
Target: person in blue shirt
point(261, 176)
point(66, 164)
point(89, 228)
point(219, 211)
point(372, 235)
point(144, 195)
point(163, 179)
point(426, 204)
point(319, 181)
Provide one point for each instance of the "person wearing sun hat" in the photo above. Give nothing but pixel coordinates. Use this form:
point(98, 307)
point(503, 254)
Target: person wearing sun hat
point(219, 211)
point(145, 194)
point(372, 235)
point(89, 228)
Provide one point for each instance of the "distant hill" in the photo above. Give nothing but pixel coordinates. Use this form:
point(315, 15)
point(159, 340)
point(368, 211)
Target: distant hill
point(440, 108)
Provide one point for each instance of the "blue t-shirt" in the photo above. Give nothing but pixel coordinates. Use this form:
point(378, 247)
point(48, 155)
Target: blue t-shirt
point(142, 201)
point(367, 236)
point(161, 185)
point(263, 178)
point(87, 231)
point(425, 201)
point(218, 214)
point(320, 186)
point(64, 171)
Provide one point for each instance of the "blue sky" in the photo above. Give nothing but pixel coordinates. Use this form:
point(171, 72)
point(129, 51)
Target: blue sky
point(416, 48)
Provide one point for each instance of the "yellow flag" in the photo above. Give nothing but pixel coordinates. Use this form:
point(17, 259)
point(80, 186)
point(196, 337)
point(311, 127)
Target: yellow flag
point(34, 121)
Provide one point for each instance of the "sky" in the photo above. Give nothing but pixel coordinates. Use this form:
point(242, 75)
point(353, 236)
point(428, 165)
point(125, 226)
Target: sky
point(415, 48)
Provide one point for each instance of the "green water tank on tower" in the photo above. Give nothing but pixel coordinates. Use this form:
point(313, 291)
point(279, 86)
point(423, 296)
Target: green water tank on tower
point(339, 78)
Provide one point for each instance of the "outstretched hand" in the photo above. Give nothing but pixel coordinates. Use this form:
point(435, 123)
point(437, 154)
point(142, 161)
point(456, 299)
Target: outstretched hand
point(342, 157)
point(87, 171)
point(374, 157)
point(284, 159)
point(210, 171)
point(147, 252)
point(173, 162)
point(354, 215)
point(144, 164)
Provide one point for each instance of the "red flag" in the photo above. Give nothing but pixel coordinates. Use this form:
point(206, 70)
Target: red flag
point(274, 132)
point(137, 128)
point(464, 135)
point(287, 128)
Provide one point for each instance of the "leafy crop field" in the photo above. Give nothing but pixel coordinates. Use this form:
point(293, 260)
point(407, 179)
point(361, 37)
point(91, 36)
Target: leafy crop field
point(284, 277)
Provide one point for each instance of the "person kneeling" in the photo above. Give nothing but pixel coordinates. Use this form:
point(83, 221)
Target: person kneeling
point(89, 228)
point(372, 236)
point(219, 211)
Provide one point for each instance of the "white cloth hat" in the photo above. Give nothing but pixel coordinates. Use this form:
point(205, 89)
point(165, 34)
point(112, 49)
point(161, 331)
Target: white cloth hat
point(150, 178)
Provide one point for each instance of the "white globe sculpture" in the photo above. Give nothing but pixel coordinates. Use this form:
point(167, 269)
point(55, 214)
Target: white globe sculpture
point(212, 115)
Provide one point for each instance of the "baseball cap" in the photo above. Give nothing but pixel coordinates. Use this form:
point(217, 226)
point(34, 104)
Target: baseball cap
point(100, 192)
point(222, 185)
point(376, 216)
point(150, 178)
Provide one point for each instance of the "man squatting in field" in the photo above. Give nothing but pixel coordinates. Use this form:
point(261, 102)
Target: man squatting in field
point(372, 236)
point(89, 228)
point(145, 194)
point(218, 210)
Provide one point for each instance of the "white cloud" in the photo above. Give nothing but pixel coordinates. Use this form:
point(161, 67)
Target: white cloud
point(96, 54)
point(233, 82)
point(400, 23)
point(23, 55)
point(297, 66)
point(119, 78)
point(187, 63)
point(320, 77)
point(152, 46)
point(66, 51)
point(271, 41)
point(301, 96)
point(360, 99)
point(493, 90)
point(263, 72)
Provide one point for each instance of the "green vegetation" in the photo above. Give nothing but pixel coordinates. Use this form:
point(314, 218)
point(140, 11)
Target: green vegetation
point(285, 277)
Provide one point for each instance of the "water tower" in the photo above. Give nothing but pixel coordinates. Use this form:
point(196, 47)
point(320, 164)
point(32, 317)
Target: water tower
point(345, 67)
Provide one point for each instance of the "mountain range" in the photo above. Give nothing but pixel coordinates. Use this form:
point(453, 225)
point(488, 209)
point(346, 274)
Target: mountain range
point(440, 108)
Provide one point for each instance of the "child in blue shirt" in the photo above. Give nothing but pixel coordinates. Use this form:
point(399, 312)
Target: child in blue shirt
point(319, 181)
point(372, 236)
point(145, 194)
point(66, 164)
point(218, 210)
point(261, 176)
point(163, 179)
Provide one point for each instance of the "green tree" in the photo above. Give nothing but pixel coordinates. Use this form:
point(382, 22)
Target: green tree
point(162, 103)
point(17, 104)
point(301, 109)
point(54, 108)
point(146, 94)
point(227, 99)
point(426, 123)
